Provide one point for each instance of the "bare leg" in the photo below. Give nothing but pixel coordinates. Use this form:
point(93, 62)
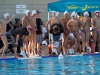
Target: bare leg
point(26, 45)
point(68, 47)
point(87, 38)
point(83, 42)
point(99, 42)
point(94, 39)
point(29, 48)
point(64, 50)
point(15, 51)
point(34, 44)
point(34, 48)
point(78, 42)
point(1, 49)
point(38, 45)
point(5, 42)
point(59, 49)
point(75, 49)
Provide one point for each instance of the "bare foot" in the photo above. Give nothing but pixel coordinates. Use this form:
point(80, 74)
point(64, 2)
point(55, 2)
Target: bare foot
point(2, 56)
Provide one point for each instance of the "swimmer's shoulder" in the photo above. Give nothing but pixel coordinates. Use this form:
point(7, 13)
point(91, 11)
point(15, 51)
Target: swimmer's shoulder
point(24, 17)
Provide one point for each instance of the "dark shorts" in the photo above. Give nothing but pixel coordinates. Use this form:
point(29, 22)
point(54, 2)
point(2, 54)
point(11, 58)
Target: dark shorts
point(39, 38)
point(56, 38)
point(20, 42)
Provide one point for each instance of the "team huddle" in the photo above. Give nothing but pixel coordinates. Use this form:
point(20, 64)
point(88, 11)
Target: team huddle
point(60, 35)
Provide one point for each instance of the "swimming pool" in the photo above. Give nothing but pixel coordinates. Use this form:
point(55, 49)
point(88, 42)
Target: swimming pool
point(70, 65)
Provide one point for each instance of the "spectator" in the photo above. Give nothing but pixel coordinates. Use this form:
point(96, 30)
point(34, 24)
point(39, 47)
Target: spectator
point(17, 23)
point(39, 30)
point(56, 33)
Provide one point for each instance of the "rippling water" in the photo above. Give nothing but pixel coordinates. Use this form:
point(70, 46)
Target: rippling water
point(70, 65)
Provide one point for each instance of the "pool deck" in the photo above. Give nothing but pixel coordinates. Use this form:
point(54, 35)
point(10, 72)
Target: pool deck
point(8, 55)
point(11, 55)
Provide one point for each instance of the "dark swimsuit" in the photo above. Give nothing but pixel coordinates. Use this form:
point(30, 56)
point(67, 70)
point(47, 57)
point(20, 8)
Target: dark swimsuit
point(85, 31)
point(75, 32)
point(2, 35)
point(96, 30)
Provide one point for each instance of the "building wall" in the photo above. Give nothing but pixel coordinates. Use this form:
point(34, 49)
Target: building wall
point(9, 6)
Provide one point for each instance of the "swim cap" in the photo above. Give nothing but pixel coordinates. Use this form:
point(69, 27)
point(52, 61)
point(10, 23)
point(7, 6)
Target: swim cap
point(44, 42)
point(27, 11)
point(34, 12)
point(97, 12)
point(6, 15)
point(89, 49)
point(86, 13)
point(65, 12)
point(54, 12)
point(74, 14)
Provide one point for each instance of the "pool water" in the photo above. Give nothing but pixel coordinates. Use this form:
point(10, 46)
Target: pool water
point(70, 65)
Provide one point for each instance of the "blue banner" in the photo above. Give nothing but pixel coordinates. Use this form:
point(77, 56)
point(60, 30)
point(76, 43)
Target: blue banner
point(62, 6)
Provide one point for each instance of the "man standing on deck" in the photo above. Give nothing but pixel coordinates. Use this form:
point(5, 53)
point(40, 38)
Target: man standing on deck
point(3, 25)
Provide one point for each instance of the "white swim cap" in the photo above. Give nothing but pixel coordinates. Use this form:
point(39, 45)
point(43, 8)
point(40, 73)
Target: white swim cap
point(86, 13)
point(57, 13)
point(65, 12)
point(44, 42)
point(34, 12)
point(70, 51)
point(71, 35)
point(74, 14)
point(97, 12)
point(54, 50)
point(27, 11)
point(54, 12)
point(6, 15)
point(89, 49)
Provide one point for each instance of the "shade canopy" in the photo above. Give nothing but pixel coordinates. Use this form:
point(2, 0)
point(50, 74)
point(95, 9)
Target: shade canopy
point(74, 5)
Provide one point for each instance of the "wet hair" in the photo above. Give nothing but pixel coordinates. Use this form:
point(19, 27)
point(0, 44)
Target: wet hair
point(56, 28)
point(16, 20)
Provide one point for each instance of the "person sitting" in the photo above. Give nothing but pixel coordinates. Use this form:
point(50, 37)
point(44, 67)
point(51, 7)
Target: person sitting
point(70, 43)
point(44, 50)
point(17, 40)
point(56, 33)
